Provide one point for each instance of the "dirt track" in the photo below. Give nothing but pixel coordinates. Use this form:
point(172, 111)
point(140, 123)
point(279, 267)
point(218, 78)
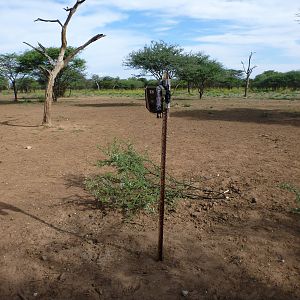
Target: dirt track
point(56, 243)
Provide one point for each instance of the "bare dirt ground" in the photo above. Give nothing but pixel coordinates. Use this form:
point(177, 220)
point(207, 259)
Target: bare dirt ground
point(55, 243)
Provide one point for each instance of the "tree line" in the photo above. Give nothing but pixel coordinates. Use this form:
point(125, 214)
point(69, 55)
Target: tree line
point(25, 72)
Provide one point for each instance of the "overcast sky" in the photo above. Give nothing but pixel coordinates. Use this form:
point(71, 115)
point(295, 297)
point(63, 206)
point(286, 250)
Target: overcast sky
point(227, 30)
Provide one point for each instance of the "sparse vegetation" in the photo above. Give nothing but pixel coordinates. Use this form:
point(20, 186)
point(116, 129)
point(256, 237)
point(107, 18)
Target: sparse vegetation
point(133, 184)
point(289, 187)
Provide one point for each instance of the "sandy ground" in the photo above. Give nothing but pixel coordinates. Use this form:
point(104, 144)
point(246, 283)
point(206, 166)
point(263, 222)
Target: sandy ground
point(57, 244)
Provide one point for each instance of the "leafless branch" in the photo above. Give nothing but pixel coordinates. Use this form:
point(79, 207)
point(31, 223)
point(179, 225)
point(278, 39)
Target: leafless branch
point(51, 21)
point(42, 51)
point(243, 66)
point(45, 71)
point(80, 48)
point(249, 68)
point(71, 11)
point(42, 47)
point(78, 2)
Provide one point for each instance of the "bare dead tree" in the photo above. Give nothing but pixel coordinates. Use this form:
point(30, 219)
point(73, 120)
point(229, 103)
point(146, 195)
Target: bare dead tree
point(61, 61)
point(248, 72)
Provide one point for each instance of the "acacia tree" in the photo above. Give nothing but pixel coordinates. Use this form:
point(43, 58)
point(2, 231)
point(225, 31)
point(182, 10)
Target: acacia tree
point(4, 85)
point(248, 72)
point(96, 79)
point(157, 58)
point(10, 68)
point(61, 61)
point(34, 63)
point(198, 69)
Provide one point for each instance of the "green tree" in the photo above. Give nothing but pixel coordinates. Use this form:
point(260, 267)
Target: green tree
point(4, 84)
point(232, 78)
point(35, 64)
point(27, 84)
point(293, 79)
point(10, 69)
point(155, 59)
point(200, 70)
point(96, 80)
point(277, 80)
point(130, 84)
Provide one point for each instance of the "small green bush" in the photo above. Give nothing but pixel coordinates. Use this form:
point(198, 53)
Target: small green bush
point(134, 183)
point(289, 187)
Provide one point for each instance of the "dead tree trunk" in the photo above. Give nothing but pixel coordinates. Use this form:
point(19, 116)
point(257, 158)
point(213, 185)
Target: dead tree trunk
point(248, 72)
point(61, 61)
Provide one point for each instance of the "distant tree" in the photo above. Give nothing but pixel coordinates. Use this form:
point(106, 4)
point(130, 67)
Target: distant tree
point(96, 79)
point(277, 80)
point(155, 59)
point(10, 69)
point(269, 80)
point(4, 84)
point(186, 67)
point(248, 71)
point(293, 79)
point(232, 78)
point(61, 61)
point(143, 80)
point(199, 70)
point(130, 84)
point(27, 84)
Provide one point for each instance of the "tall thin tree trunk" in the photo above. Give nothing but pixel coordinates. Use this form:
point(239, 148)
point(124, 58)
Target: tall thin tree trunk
point(189, 87)
point(15, 90)
point(246, 87)
point(48, 101)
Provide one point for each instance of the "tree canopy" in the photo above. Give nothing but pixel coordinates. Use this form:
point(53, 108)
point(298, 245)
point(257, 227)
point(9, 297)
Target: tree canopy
point(277, 80)
point(199, 69)
point(155, 59)
point(10, 68)
point(35, 64)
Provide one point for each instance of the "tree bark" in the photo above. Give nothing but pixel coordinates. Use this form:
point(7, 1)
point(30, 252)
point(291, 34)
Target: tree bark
point(48, 102)
point(248, 72)
point(189, 87)
point(201, 89)
point(246, 87)
point(49, 95)
point(15, 90)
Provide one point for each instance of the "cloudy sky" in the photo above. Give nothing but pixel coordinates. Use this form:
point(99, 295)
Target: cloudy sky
point(227, 30)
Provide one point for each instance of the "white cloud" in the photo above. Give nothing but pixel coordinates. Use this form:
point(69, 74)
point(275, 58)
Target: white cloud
point(252, 25)
point(110, 52)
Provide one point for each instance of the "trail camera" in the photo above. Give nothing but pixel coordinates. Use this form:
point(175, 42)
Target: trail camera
point(151, 99)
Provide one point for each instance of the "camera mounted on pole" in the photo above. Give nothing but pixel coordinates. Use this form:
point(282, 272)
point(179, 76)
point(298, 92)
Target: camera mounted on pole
point(158, 98)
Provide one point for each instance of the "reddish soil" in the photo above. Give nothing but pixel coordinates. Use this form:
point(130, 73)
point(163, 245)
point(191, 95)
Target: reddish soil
point(56, 243)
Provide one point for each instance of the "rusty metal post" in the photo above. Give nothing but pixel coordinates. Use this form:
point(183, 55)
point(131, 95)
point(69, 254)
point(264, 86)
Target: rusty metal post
point(162, 182)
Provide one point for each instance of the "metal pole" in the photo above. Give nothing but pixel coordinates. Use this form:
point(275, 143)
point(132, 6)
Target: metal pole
point(162, 182)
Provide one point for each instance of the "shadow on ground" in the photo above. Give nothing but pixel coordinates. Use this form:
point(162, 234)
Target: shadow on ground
point(9, 123)
point(121, 104)
point(242, 115)
point(116, 259)
point(119, 262)
point(5, 208)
